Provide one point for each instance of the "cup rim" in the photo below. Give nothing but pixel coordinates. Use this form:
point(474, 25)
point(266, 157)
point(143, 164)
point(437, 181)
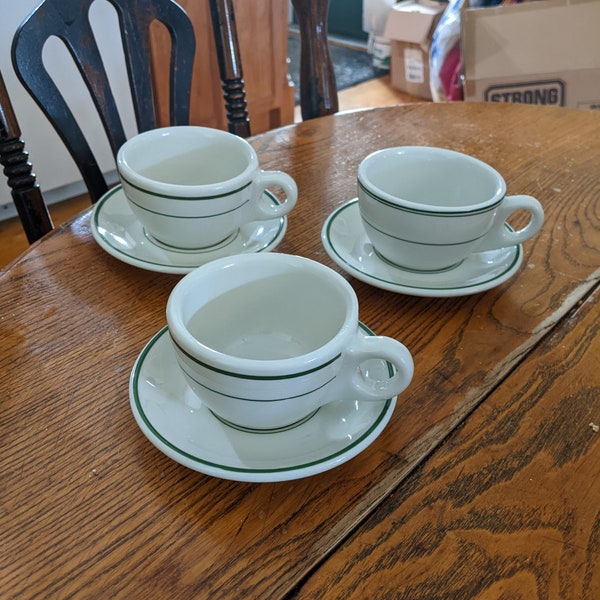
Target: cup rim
point(151, 186)
point(250, 366)
point(417, 207)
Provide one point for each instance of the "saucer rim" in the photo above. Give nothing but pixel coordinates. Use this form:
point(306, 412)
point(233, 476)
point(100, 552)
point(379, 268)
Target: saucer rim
point(256, 475)
point(407, 288)
point(117, 194)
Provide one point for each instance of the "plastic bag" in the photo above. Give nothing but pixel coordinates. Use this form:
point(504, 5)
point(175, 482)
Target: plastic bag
point(445, 65)
point(445, 60)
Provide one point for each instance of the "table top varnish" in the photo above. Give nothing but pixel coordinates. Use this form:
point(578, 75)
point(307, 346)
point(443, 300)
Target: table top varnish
point(503, 382)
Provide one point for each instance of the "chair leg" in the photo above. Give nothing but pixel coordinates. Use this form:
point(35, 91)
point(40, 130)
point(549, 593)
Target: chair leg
point(25, 190)
point(318, 88)
point(230, 66)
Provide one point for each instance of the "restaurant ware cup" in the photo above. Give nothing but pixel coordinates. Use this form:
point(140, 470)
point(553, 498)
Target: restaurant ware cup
point(193, 187)
point(427, 209)
point(264, 340)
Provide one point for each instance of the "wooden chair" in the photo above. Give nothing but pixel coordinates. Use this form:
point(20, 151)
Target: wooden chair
point(68, 20)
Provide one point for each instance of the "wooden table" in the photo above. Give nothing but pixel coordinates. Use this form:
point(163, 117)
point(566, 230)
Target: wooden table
point(484, 484)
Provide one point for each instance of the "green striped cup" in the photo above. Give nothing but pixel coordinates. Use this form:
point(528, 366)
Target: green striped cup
point(426, 209)
point(194, 187)
point(264, 340)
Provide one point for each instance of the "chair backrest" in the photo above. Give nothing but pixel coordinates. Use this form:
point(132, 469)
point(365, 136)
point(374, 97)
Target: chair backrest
point(69, 21)
point(25, 189)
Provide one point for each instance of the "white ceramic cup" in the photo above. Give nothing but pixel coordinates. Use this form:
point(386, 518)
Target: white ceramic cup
point(193, 187)
point(264, 340)
point(427, 209)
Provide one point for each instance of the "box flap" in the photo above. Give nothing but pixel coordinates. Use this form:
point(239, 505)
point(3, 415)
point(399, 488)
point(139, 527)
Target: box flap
point(413, 20)
point(532, 37)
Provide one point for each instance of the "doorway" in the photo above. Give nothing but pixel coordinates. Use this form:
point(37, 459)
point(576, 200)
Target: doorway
point(345, 19)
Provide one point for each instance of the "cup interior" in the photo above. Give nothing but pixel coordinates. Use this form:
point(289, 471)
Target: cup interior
point(278, 317)
point(184, 156)
point(261, 307)
point(430, 177)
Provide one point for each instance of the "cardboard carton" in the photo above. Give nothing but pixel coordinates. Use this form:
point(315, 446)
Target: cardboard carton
point(410, 25)
point(536, 52)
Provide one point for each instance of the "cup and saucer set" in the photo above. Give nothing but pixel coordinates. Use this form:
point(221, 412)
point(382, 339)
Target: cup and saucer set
point(118, 231)
point(264, 371)
point(429, 222)
point(182, 184)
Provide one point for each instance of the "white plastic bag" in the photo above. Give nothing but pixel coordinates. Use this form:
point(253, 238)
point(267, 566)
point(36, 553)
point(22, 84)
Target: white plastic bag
point(444, 55)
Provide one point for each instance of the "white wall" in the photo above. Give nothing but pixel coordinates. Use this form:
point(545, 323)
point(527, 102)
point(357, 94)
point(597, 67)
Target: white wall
point(56, 173)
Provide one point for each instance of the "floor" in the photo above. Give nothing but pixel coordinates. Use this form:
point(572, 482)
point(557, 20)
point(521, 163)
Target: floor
point(352, 64)
point(376, 92)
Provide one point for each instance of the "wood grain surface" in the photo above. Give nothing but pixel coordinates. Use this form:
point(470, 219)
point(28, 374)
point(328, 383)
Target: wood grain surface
point(509, 507)
point(91, 509)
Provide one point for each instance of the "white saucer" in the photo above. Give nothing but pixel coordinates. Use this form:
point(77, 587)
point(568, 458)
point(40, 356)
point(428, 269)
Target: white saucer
point(173, 418)
point(346, 242)
point(117, 231)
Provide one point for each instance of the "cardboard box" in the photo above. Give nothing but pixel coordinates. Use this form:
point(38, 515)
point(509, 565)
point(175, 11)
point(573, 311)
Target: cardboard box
point(410, 26)
point(537, 52)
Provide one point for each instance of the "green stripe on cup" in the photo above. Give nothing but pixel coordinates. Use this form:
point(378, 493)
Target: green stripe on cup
point(253, 377)
point(418, 243)
point(162, 214)
point(452, 212)
point(246, 399)
point(172, 197)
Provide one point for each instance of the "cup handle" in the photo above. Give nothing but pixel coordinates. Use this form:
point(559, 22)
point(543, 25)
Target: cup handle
point(500, 236)
point(376, 347)
point(265, 179)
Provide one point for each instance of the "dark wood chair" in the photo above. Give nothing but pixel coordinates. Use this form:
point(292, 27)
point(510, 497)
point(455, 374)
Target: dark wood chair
point(68, 21)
